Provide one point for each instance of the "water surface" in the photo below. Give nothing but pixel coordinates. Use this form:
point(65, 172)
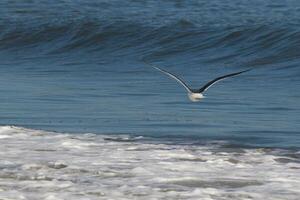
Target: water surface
point(76, 67)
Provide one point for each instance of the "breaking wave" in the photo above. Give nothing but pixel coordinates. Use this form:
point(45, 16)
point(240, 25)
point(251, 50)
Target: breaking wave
point(59, 166)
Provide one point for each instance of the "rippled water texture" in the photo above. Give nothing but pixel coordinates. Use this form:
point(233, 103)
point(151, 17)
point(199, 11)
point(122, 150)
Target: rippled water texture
point(101, 124)
point(77, 66)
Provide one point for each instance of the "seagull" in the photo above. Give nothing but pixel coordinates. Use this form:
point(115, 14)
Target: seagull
point(197, 94)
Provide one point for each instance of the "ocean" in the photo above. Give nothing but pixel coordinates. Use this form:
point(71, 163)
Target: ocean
point(83, 117)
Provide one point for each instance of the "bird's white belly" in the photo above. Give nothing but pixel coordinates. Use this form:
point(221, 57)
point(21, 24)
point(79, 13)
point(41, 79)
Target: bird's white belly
point(195, 96)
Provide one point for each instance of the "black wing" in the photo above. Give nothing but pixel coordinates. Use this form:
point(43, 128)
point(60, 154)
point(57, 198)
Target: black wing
point(210, 83)
point(172, 76)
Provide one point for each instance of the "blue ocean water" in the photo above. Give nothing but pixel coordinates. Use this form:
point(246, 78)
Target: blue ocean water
point(77, 66)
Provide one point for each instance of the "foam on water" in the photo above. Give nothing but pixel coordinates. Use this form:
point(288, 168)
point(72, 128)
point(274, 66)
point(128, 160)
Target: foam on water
point(45, 165)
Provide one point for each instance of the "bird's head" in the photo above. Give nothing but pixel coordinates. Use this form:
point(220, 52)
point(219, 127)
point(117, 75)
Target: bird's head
point(195, 97)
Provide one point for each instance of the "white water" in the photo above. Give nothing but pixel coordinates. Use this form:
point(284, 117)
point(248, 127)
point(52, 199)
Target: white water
point(37, 165)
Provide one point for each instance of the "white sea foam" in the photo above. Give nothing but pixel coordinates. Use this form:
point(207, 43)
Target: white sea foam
point(44, 165)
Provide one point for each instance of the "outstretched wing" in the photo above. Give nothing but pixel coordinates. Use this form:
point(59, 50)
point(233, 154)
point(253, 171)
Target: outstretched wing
point(172, 76)
point(210, 83)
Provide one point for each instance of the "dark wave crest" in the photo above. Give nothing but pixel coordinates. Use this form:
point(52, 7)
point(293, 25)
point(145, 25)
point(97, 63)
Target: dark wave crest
point(250, 45)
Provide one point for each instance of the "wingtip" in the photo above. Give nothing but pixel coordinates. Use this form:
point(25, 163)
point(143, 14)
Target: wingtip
point(247, 70)
point(244, 71)
point(153, 66)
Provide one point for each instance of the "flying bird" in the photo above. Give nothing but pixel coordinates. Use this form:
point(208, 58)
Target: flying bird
point(197, 94)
